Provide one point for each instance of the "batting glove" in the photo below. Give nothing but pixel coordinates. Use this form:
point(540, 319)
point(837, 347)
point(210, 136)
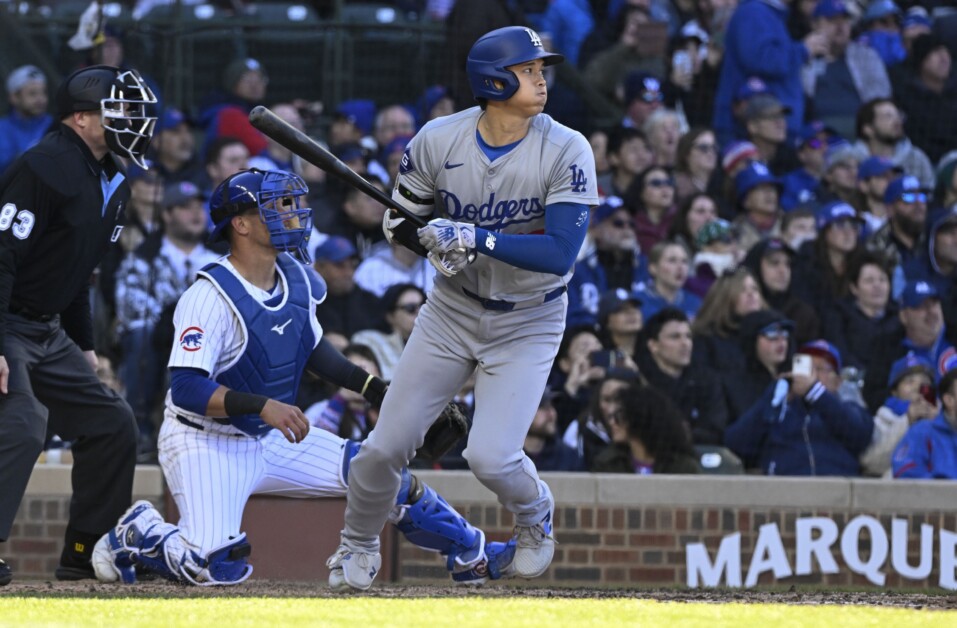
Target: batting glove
point(451, 262)
point(442, 235)
point(390, 220)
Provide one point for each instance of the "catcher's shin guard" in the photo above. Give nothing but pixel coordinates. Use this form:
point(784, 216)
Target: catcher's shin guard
point(428, 521)
point(223, 565)
point(113, 554)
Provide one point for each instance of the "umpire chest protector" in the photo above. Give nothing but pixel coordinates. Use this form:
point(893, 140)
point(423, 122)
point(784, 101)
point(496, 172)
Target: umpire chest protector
point(277, 338)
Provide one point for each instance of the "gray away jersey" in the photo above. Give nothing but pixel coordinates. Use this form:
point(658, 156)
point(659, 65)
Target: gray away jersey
point(552, 164)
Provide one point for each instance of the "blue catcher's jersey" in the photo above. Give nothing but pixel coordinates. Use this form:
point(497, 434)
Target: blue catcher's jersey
point(278, 338)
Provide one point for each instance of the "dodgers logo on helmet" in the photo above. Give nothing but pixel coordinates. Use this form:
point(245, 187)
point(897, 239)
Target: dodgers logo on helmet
point(191, 339)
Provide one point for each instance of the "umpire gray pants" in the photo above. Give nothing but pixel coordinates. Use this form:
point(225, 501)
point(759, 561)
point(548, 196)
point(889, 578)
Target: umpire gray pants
point(53, 390)
point(453, 335)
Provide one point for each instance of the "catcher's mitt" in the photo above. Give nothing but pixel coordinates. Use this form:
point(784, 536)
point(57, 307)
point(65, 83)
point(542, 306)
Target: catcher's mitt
point(442, 436)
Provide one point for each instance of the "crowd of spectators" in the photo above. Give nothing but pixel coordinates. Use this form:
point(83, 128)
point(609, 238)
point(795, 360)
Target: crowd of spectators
point(782, 182)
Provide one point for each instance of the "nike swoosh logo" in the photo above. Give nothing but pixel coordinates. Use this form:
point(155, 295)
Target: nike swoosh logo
point(281, 329)
point(449, 166)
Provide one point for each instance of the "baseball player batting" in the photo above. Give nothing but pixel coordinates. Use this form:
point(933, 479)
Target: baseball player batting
point(245, 331)
point(513, 189)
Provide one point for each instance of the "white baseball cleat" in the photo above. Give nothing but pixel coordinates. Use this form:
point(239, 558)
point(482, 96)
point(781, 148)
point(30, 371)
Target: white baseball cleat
point(352, 570)
point(534, 548)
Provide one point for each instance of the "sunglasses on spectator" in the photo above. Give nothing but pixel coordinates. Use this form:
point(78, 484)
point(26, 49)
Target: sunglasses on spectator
point(409, 308)
point(705, 148)
point(914, 197)
point(660, 183)
point(776, 334)
point(814, 143)
point(650, 97)
point(621, 223)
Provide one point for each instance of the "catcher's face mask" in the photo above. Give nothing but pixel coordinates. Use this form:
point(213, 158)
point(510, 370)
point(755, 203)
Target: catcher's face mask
point(124, 117)
point(281, 208)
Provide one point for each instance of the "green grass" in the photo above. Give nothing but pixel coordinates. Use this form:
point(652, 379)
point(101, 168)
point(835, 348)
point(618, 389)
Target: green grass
point(447, 612)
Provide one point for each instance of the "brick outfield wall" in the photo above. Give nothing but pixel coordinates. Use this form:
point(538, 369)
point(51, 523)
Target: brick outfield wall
point(615, 530)
point(645, 546)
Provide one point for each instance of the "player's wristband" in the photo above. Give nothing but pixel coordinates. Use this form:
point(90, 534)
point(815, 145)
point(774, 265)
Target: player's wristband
point(239, 403)
point(374, 390)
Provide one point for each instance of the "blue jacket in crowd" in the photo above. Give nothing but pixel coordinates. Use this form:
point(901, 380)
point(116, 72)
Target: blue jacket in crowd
point(568, 22)
point(652, 302)
point(816, 435)
point(924, 267)
point(588, 284)
point(928, 450)
point(17, 134)
point(800, 186)
point(758, 44)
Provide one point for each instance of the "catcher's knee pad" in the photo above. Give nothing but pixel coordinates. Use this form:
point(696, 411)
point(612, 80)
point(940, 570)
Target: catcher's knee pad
point(428, 521)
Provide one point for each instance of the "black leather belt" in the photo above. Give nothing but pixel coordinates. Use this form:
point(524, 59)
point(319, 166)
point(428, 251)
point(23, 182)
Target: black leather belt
point(193, 424)
point(30, 315)
point(508, 306)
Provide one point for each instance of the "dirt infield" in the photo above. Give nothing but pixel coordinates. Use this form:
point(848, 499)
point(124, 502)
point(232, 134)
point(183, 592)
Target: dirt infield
point(938, 600)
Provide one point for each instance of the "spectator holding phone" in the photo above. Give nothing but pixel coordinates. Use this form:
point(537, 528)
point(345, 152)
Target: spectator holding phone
point(912, 399)
point(766, 340)
point(693, 73)
point(929, 448)
point(800, 426)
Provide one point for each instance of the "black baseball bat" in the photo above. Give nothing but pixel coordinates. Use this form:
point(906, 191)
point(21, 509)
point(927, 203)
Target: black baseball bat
point(310, 150)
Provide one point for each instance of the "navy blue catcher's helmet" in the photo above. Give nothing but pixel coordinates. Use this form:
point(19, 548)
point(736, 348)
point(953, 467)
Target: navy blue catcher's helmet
point(278, 196)
point(498, 49)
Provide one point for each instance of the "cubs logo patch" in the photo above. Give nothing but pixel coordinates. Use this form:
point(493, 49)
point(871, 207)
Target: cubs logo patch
point(191, 339)
point(947, 360)
point(406, 166)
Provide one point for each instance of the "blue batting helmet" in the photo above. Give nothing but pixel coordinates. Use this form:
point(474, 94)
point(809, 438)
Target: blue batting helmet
point(498, 49)
point(278, 196)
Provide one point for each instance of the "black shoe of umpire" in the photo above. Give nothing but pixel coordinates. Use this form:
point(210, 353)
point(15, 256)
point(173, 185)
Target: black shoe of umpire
point(75, 560)
point(6, 575)
point(74, 570)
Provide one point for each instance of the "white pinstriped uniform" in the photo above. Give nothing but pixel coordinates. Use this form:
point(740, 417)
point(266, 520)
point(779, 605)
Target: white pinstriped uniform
point(212, 472)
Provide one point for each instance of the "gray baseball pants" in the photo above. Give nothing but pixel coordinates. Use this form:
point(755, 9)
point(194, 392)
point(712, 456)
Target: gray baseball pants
point(513, 352)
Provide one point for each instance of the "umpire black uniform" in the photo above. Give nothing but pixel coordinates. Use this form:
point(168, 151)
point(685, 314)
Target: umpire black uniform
point(60, 209)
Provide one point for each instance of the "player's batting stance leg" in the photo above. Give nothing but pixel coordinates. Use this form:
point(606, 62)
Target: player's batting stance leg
point(514, 357)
